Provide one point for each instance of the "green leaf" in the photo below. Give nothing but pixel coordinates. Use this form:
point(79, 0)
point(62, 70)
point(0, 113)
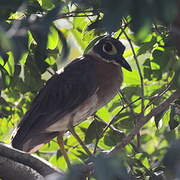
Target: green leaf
point(158, 117)
point(104, 114)
point(47, 4)
point(1, 81)
point(142, 158)
point(131, 91)
point(126, 123)
point(65, 48)
point(32, 77)
point(131, 78)
point(40, 29)
point(94, 131)
point(19, 44)
point(9, 66)
point(174, 118)
point(147, 70)
point(147, 46)
point(5, 78)
point(53, 39)
point(113, 137)
point(50, 60)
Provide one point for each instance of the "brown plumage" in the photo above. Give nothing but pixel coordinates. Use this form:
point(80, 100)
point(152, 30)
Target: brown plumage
point(85, 85)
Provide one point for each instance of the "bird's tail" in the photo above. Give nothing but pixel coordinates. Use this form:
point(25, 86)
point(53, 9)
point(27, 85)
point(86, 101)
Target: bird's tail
point(31, 142)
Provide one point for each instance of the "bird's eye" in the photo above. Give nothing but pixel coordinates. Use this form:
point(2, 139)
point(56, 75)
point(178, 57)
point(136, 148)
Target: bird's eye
point(109, 48)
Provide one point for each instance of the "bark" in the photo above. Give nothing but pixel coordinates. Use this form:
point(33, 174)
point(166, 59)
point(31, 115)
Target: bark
point(16, 164)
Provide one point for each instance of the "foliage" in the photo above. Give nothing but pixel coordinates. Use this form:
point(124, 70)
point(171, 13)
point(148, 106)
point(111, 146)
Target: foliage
point(37, 36)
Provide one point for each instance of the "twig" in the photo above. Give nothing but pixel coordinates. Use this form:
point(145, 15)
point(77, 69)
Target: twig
point(107, 125)
point(156, 29)
point(83, 12)
point(77, 14)
point(16, 24)
point(139, 71)
point(144, 119)
point(134, 116)
point(129, 104)
point(159, 95)
point(141, 79)
point(117, 115)
point(97, 137)
point(124, 28)
point(51, 73)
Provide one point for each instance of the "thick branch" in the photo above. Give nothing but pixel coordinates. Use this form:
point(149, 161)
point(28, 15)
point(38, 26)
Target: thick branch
point(39, 165)
point(144, 119)
point(11, 170)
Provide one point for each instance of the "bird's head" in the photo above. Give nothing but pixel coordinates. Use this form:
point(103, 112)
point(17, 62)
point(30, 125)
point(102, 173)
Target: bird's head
point(111, 50)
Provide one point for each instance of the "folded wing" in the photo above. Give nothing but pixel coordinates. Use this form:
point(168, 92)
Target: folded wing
point(61, 95)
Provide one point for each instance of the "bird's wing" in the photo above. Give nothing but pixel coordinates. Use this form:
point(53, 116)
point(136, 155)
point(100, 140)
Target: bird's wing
point(61, 95)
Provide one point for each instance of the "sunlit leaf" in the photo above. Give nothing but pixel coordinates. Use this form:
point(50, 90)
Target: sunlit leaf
point(52, 39)
point(158, 117)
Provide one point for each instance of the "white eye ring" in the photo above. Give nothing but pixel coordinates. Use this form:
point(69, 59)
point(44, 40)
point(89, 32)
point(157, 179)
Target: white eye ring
point(111, 50)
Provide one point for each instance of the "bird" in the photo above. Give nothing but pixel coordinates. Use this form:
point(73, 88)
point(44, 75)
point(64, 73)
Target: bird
point(68, 98)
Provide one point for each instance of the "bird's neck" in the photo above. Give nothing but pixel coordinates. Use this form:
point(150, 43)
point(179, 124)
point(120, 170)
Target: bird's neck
point(96, 56)
point(109, 78)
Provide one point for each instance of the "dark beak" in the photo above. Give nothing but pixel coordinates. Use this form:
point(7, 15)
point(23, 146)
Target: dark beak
point(124, 63)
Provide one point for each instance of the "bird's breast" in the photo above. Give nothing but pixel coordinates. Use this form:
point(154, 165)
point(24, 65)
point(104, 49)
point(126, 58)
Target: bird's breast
point(109, 80)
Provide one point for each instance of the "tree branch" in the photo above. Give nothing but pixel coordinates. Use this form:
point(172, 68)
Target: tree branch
point(139, 70)
point(144, 119)
point(80, 13)
point(11, 170)
point(15, 159)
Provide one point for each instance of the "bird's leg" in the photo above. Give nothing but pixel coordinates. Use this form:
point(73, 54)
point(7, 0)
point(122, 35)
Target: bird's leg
point(71, 129)
point(62, 149)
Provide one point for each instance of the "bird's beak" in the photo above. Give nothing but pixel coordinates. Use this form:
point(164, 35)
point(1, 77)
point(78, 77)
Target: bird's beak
point(124, 63)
